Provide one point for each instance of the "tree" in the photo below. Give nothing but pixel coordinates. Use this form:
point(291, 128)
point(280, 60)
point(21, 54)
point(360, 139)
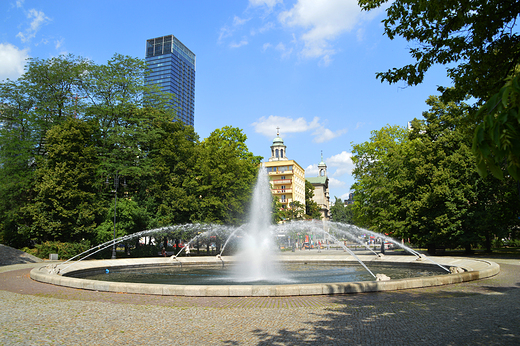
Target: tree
point(340, 212)
point(497, 139)
point(168, 189)
point(459, 208)
point(426, 188)
point(479, 41)
point(131, 218)
point(66, 205)
point(312, 210)
point(122, 121)
point(374, 176)
point(476, 38)
point(294, 211)
point(224, 177)
point(31, 105)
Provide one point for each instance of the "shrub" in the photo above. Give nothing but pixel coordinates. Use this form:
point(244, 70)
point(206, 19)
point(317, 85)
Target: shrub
point(512, 242)
point(146, 251)
point(64, 250)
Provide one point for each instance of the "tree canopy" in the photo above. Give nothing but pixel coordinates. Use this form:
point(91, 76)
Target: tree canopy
point(478, 41)
point(69, 125)
point(312, 209)
point(340, 212)
point(421, 185)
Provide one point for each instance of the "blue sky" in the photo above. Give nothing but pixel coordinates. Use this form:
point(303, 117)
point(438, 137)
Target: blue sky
point(305, 66)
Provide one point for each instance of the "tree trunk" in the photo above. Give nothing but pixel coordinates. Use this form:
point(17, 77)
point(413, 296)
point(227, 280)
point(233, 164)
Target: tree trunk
point(468, 250)
point(488, 242)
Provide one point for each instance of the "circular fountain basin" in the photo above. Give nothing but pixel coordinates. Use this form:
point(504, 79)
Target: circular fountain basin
point(469, 269)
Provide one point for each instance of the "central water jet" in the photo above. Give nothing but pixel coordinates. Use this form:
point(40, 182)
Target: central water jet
point(257, 257)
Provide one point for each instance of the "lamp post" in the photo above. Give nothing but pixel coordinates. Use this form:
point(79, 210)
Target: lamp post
point(116, 185)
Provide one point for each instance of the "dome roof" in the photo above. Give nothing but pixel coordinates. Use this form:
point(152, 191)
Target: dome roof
point(278, 141)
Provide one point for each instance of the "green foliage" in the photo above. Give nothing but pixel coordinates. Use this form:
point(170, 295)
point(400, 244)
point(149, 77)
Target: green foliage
point(64, 250)
point(225, 172)
point(341, 213)
point(170, 190)
point(425, 187)
point(130, 217)
point(66, 205)
point(295, 211)
point(497, 138)
point(475, 38)
point(373, 172)
point(312, 209)
point(69, 125)
point(479, 40)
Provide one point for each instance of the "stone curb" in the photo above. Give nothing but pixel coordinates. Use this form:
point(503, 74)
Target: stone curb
point(474, 269)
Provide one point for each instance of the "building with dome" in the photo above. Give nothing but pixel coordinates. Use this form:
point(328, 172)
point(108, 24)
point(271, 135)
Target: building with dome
point(286, 176)
point(321, 190)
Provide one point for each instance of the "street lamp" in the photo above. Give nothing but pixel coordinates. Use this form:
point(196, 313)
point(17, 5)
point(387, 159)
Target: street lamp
point(116, 185)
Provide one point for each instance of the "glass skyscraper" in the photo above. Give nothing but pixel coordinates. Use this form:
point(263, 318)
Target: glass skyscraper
point(172, 67)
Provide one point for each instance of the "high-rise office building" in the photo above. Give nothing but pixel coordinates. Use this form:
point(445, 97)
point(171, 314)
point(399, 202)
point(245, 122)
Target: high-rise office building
point(172, 67)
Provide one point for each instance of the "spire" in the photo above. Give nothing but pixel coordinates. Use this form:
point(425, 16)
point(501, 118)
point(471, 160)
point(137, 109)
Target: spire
point(322, 167)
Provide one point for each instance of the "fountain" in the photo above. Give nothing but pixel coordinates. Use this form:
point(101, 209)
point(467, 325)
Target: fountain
point(258, 268)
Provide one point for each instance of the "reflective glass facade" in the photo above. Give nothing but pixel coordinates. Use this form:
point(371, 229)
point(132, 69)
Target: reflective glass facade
point(172, 67)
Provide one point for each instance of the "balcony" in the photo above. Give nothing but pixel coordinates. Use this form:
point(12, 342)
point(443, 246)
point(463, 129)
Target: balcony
point(281, 173)
point(282, 182)
point(281, 191)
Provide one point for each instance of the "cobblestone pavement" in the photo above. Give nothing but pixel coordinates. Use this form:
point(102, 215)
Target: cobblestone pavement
point(485, 312)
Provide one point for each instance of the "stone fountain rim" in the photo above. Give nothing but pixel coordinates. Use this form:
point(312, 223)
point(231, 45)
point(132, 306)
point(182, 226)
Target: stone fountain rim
point(474, 269)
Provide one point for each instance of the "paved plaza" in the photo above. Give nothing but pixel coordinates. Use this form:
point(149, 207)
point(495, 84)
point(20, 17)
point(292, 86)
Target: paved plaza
point(484, 312)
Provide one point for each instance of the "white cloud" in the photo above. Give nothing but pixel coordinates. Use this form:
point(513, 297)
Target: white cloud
point(237, 21)
point(268, 26)
point(239, 44)
point(225, 31)
point(311, 171)
point(266, 46)
point(359, 124)
point(267, 126)
point(12, 61)
point(344, 196)
point(269, 3)
point(19, 3)
point(342, 162)
point(286, 52)
point(38, 19)
point(324, 135)
point(58, 43)
point(323, 21)
point(335, 183)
